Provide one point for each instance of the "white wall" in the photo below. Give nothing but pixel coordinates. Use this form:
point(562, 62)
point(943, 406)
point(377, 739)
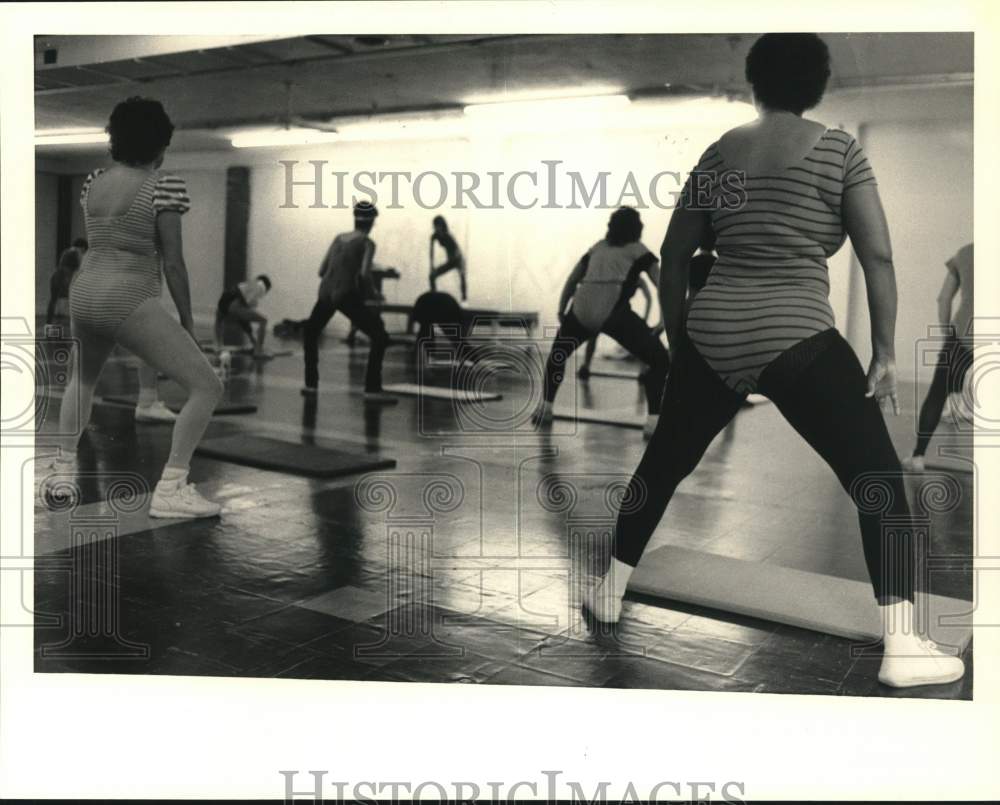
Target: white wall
point(918, 139)
point(925, 180)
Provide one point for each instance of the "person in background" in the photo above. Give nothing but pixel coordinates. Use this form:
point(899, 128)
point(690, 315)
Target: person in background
point(955, 358)
point(455, 259)
point(372, 291)
point(239, 305)
point(595, 299)
point(343, 278)
point(57, 312)
point(444, 311)
point(583, 372)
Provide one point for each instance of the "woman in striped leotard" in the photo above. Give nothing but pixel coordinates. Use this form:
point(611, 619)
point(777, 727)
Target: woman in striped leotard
point(781, 194)
point(133, 214)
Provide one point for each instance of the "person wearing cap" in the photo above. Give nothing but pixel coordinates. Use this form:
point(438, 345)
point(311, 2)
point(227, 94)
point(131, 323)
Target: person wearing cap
point(344, 274)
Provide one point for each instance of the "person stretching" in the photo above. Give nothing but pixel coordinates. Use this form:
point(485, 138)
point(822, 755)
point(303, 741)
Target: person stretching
point(781, 193)
point(239, 304)
point(599, 288)
point(455, 261)
point(344, 277)
point(132, 212)
point(956, 354)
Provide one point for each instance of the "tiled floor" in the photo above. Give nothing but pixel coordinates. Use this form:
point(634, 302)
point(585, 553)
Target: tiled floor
point(458, 565)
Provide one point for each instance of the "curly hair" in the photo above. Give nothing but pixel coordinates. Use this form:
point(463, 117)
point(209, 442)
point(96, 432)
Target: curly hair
point(788, 71)
point(139, 129)
point(624, 226)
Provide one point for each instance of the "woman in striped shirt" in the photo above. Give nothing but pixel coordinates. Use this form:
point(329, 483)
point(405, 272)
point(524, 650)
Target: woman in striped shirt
point(781, 194)
point(132, 213)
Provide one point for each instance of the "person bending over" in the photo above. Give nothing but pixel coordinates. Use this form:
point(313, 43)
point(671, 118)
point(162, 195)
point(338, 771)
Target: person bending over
point(595, 299)
point(239, 305)
point(441, 309)
point(343, 279)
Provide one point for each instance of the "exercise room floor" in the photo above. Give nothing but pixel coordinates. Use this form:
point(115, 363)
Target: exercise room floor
point(462, 564)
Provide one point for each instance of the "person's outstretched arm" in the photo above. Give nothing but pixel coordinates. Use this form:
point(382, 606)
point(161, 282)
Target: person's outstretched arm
point(864, 221)
point(569, 288)
point(168, 224)
point(686, 232)
point(946, 296)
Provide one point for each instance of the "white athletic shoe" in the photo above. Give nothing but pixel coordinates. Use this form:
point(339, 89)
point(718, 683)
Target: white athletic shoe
point(601, 602)
point(58, 471)
point(913, 463)
point(652, 420)
point(157, 412)
point(922, 663)
point(543, 415)
point(179, 500)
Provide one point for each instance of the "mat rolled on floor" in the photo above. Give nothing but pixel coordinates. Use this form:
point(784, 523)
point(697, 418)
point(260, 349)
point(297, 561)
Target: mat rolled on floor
point(224, 408)
point(829, 604)
point(314, 461)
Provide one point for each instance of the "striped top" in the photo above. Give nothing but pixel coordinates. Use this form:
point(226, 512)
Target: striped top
point(121, 269)
point(769, 288)
point(611, 277)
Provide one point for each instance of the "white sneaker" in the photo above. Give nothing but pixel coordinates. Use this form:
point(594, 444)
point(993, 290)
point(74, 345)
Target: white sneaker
point(157, 412)
point(601, 602)
point(922, 663)
point(58, 473)
point(913, 463)
point(652, 420)
point(179, 500)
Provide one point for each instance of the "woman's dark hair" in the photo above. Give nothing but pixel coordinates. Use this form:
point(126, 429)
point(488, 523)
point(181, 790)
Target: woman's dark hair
point(265, 279)
point(139, 129)
point(81, 243)
point(624, 227)
point(439, 219)
point(788, 71)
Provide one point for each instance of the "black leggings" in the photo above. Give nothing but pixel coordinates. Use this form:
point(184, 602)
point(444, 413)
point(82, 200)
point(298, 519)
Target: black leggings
point(949, 376)
point(628, 330)
point(819, 387)
point(367, 320)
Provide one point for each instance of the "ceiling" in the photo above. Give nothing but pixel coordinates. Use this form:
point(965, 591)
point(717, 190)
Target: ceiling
point(332, 75)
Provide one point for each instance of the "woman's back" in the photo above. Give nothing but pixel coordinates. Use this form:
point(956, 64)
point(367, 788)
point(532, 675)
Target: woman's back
point(774, 191)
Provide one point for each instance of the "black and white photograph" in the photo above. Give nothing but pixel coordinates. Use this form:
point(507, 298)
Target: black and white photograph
point(606, 360)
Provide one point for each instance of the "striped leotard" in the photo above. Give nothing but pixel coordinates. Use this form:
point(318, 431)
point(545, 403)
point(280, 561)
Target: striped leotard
point(121, 269)
point(769, 288)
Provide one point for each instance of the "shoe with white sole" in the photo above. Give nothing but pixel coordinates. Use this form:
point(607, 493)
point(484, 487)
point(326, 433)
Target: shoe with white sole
point(58, 473)
point(601, 603)
point(179, 500)
point(155, 413)
point(921, 663)
point(913, 463)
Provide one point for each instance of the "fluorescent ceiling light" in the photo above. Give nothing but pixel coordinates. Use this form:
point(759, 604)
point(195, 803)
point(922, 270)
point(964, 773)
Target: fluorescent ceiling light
point(408, 127)
point(78, 136)
point(519, 96)
point(550, 108)
point(275, 137)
